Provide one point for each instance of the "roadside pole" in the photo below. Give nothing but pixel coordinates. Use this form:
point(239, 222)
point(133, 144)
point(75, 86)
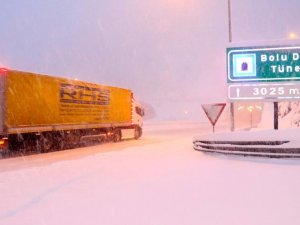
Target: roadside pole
point(232, 116)
point(229, 22)
point(230, 40)
point(275, 115)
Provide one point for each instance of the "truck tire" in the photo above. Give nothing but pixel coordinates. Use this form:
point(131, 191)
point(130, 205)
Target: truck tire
point(59, 141)
point(46, 143)
point(137, 133)
point(117, 136)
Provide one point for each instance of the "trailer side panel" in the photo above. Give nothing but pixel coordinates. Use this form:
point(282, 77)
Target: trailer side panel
point(34, 101)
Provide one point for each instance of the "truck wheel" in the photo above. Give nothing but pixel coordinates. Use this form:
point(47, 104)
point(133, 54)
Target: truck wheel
point(46, 143)
point(137, 133)
point(117, 136)
point(59, 142)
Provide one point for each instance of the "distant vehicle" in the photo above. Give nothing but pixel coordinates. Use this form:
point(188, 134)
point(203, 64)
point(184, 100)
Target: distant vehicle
point(58, 113)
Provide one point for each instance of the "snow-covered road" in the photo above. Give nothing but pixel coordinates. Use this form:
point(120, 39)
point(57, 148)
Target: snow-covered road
point(157, 180)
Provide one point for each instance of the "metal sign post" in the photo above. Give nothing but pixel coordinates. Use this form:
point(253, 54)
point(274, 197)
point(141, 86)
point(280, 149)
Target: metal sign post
point(230, 40)
point(275, 115)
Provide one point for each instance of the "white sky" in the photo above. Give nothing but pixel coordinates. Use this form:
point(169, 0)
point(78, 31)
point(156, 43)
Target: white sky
point(171, 53)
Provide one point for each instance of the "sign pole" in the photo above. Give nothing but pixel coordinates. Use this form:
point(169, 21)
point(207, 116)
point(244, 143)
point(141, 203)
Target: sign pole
point(275, 115)
point(230, 40)
point(229, 22)
point(232, 116)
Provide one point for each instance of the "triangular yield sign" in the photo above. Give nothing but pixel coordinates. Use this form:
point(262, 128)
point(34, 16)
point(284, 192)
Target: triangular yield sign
point(213, 111)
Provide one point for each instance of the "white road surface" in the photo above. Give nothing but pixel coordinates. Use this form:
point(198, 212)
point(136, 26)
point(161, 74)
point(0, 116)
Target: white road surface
point(157, 180)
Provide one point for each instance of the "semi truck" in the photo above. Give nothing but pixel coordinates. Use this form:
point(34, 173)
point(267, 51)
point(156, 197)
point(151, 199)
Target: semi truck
point(47, 112)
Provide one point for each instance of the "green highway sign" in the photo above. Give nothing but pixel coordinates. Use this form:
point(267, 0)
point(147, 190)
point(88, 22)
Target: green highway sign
point(263, 64)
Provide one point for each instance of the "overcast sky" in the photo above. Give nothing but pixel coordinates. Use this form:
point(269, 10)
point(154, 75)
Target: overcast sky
point(171, 53)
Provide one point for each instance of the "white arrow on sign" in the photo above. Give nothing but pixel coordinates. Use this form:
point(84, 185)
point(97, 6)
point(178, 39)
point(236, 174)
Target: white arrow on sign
point(213, 111)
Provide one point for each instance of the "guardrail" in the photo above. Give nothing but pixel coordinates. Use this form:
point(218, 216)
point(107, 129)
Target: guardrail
point(272, 149)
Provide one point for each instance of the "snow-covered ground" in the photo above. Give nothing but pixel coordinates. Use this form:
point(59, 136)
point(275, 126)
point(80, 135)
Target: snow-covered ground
point(157, 180)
